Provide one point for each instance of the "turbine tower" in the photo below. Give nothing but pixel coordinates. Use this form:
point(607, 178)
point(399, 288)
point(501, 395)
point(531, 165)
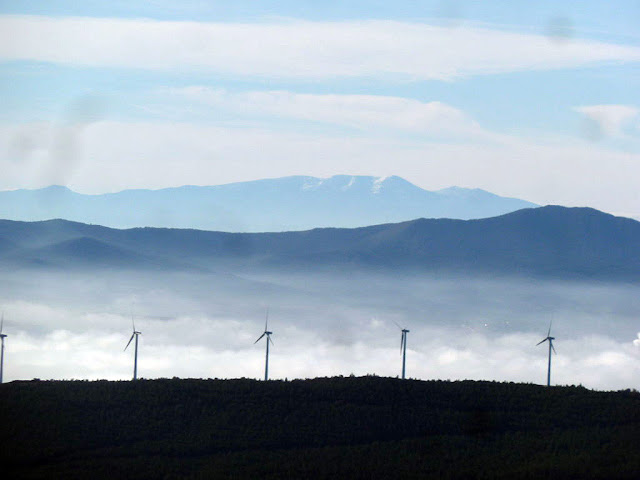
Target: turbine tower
point(135, 358)
point(268, 334)
point(2, 337)
point(550, 339)
point(403, 348)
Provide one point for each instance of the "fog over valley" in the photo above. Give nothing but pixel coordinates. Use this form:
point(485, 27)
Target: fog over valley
point(64, 325)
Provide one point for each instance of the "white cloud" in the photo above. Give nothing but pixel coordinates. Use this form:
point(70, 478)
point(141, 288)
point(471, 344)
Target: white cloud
point(385, 114)
point(296, 49)
point(608, 120)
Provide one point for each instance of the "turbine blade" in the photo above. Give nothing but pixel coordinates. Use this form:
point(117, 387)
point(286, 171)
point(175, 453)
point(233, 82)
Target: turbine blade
point(549, 332)
point(396, 324)
point(259, 338)
point(269, 339)
point(2, 322)
point(553, 348)
point(266, 320)
point(132, 335)
point(402, 340)
point(541, 341)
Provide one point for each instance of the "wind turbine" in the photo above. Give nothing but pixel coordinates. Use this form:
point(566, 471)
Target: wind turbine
point(135, 358)
point(550, 339)
point(2, 337)
point(268, 334)
point(403, 347)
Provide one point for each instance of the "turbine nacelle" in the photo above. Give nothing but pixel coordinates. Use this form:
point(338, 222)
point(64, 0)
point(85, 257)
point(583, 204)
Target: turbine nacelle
point(267, 334)
point(550, 340)
point(134, 334)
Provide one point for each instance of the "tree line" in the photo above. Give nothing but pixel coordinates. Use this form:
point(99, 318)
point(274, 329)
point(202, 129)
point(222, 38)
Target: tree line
point(358, 427)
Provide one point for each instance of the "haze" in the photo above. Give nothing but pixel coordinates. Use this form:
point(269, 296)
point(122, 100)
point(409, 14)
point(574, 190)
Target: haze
point(65, 326)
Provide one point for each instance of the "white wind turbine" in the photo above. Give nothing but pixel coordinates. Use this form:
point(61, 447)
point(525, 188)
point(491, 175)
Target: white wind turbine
point(135, 358)
point(550, 339)
point(2, 337)
point(403, 348)
point(268, 334)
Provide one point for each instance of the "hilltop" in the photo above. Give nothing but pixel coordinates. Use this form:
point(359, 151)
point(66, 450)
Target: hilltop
point(548, 241)
point(362, 427)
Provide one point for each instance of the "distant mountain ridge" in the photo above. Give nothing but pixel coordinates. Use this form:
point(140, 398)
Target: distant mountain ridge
point(270, 205)
point(548, 241)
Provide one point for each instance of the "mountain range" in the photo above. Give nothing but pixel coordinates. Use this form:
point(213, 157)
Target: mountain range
point(270, 205)
point(547, 241)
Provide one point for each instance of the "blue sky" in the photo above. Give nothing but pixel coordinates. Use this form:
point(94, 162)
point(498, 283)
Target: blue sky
point(536, 100)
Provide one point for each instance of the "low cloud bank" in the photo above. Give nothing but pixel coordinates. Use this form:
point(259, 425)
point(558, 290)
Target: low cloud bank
point(344, 332)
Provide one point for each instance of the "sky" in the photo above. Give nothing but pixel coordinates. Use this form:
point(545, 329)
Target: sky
point(535, 100)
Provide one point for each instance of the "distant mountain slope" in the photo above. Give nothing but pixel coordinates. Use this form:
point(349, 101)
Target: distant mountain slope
point(550, 241)
point(281, 204)
point(90, 251)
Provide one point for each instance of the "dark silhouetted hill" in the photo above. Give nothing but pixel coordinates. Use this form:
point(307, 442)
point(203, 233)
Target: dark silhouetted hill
point(358, 428)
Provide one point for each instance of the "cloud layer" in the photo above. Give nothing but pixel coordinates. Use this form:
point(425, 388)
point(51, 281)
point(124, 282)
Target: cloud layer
point(75, 326)
point(386, 115)
point(296, 49)
point(223, 348)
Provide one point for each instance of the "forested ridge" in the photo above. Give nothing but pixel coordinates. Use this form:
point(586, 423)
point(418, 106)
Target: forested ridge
point(353, 427)
point(550, 242)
